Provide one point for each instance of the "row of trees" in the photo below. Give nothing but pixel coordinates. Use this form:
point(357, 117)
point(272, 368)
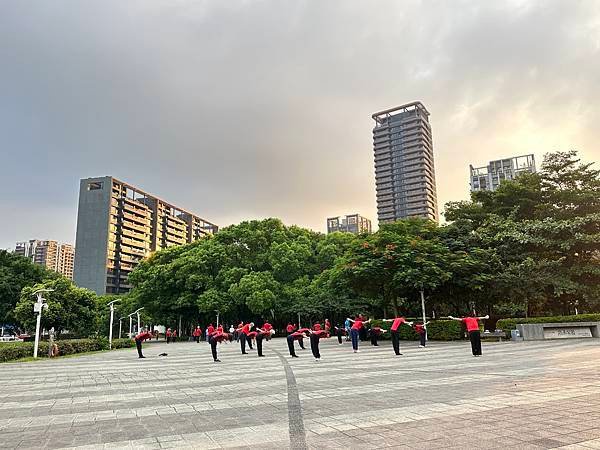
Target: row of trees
point(529, 248)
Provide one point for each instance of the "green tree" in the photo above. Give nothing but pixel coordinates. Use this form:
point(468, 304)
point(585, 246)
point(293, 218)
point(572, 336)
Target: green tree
point(70, 308)
point(17, 272)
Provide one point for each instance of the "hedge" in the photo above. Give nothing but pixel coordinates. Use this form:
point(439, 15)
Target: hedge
point(437, 330)
point(11, 351)
point(511, 323)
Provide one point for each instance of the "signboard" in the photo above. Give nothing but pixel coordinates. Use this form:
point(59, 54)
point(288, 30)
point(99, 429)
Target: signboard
point(567, 333)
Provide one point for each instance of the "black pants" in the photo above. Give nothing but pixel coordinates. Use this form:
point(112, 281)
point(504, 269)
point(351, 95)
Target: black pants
point(290, 342)
point(422, 338)
point(249, 340)
point(301, 342)
point(138, 344)
point(243, 338)
point(213, 347)
point(339, 336)
point(259, 342)
point(475, 338)
point(168, 339)
point(363, 334)
point(374, 337)
point(197, 338)
point(314, 345)
point(395, 341)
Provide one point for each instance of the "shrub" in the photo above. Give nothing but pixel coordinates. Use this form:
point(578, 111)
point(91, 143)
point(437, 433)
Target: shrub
point(123, 343)
point(511, 323)
point(10, 351)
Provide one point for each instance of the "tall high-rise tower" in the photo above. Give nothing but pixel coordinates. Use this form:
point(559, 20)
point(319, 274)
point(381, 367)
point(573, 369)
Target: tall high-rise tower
point(404, 169)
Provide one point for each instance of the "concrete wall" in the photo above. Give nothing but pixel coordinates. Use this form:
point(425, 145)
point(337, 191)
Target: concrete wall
point(92, 235)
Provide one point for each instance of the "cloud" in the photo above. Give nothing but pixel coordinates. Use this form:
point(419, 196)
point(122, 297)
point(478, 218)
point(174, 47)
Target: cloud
point(246, 109)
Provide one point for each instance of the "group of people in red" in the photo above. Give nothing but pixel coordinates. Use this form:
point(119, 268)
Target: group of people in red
point(246, 334)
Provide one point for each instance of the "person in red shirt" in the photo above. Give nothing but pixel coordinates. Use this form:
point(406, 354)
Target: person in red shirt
point(327, 325)
point(263, 333)
point(357, 325)
point(197, 333)
point(421, 330)
point(472, 325)
point(375, 333)
point(243, 331)
point(395, 332)
point(296, 336)
point(315, 335)
point(210, 329)
point(141, 337)
point(168, 335)
point(215, 338)
point(267, 326)
point(290, 329)
point(174, 336)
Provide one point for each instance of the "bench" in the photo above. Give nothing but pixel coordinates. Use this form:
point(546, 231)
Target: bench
point(561, 330)
point(494, 334)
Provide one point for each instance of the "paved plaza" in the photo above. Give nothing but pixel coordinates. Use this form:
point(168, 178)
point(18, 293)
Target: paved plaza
point(518, 395)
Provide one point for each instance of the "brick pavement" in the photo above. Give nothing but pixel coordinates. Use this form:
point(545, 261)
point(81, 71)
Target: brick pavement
point(520, 395)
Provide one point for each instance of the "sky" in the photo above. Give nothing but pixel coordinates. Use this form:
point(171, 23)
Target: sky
point(240, 110)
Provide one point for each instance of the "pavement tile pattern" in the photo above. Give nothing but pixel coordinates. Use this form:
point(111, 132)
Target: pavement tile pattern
point(534, 395)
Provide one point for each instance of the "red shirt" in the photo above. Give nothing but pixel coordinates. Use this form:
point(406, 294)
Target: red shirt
point(357, 325)
point(143, 336)
point(219, 336)
point(472, 323)
point(327, 324)
point(246, 328)
point(299, 334)
point(397, 322)
point(197, 332)
point(267, 326)
point(210, 329)
point(419, 328)
point(290, 328)
point(168, 333)
point(175, 333)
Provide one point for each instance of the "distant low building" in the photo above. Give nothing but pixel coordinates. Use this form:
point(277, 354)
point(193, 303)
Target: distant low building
point(353, 223)
point(488, 178)
point(50, 254)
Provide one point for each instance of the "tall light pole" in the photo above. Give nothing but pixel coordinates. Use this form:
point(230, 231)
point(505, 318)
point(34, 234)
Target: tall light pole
point(112, 311)
point(217, 321)
point(130, 323)
point(120, 318)
point(37, 308)
point(139, 323)
point(423, 313)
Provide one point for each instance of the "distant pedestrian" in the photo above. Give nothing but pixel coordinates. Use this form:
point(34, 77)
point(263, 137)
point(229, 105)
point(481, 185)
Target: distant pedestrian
point(472, 325)
point(339, 331)
point(168, 334)
point(215, 338)
point(357, 326)
point(422, 332)
point(296, 335)
point(315, 335)
point(139, 338)
point(347, 327)
point(197, 333)
point(375, 333)
point(395, 332)
point(174, 335)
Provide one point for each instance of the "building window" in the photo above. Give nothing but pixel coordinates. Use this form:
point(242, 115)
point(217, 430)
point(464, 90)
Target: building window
point(95, 186)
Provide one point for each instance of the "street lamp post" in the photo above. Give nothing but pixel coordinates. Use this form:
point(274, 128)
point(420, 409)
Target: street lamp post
point(37, 307)
point(120, 323)
point(130, 323)
point(217, 320)
point(110, 331)
point(423, 313)
point(139, 323)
